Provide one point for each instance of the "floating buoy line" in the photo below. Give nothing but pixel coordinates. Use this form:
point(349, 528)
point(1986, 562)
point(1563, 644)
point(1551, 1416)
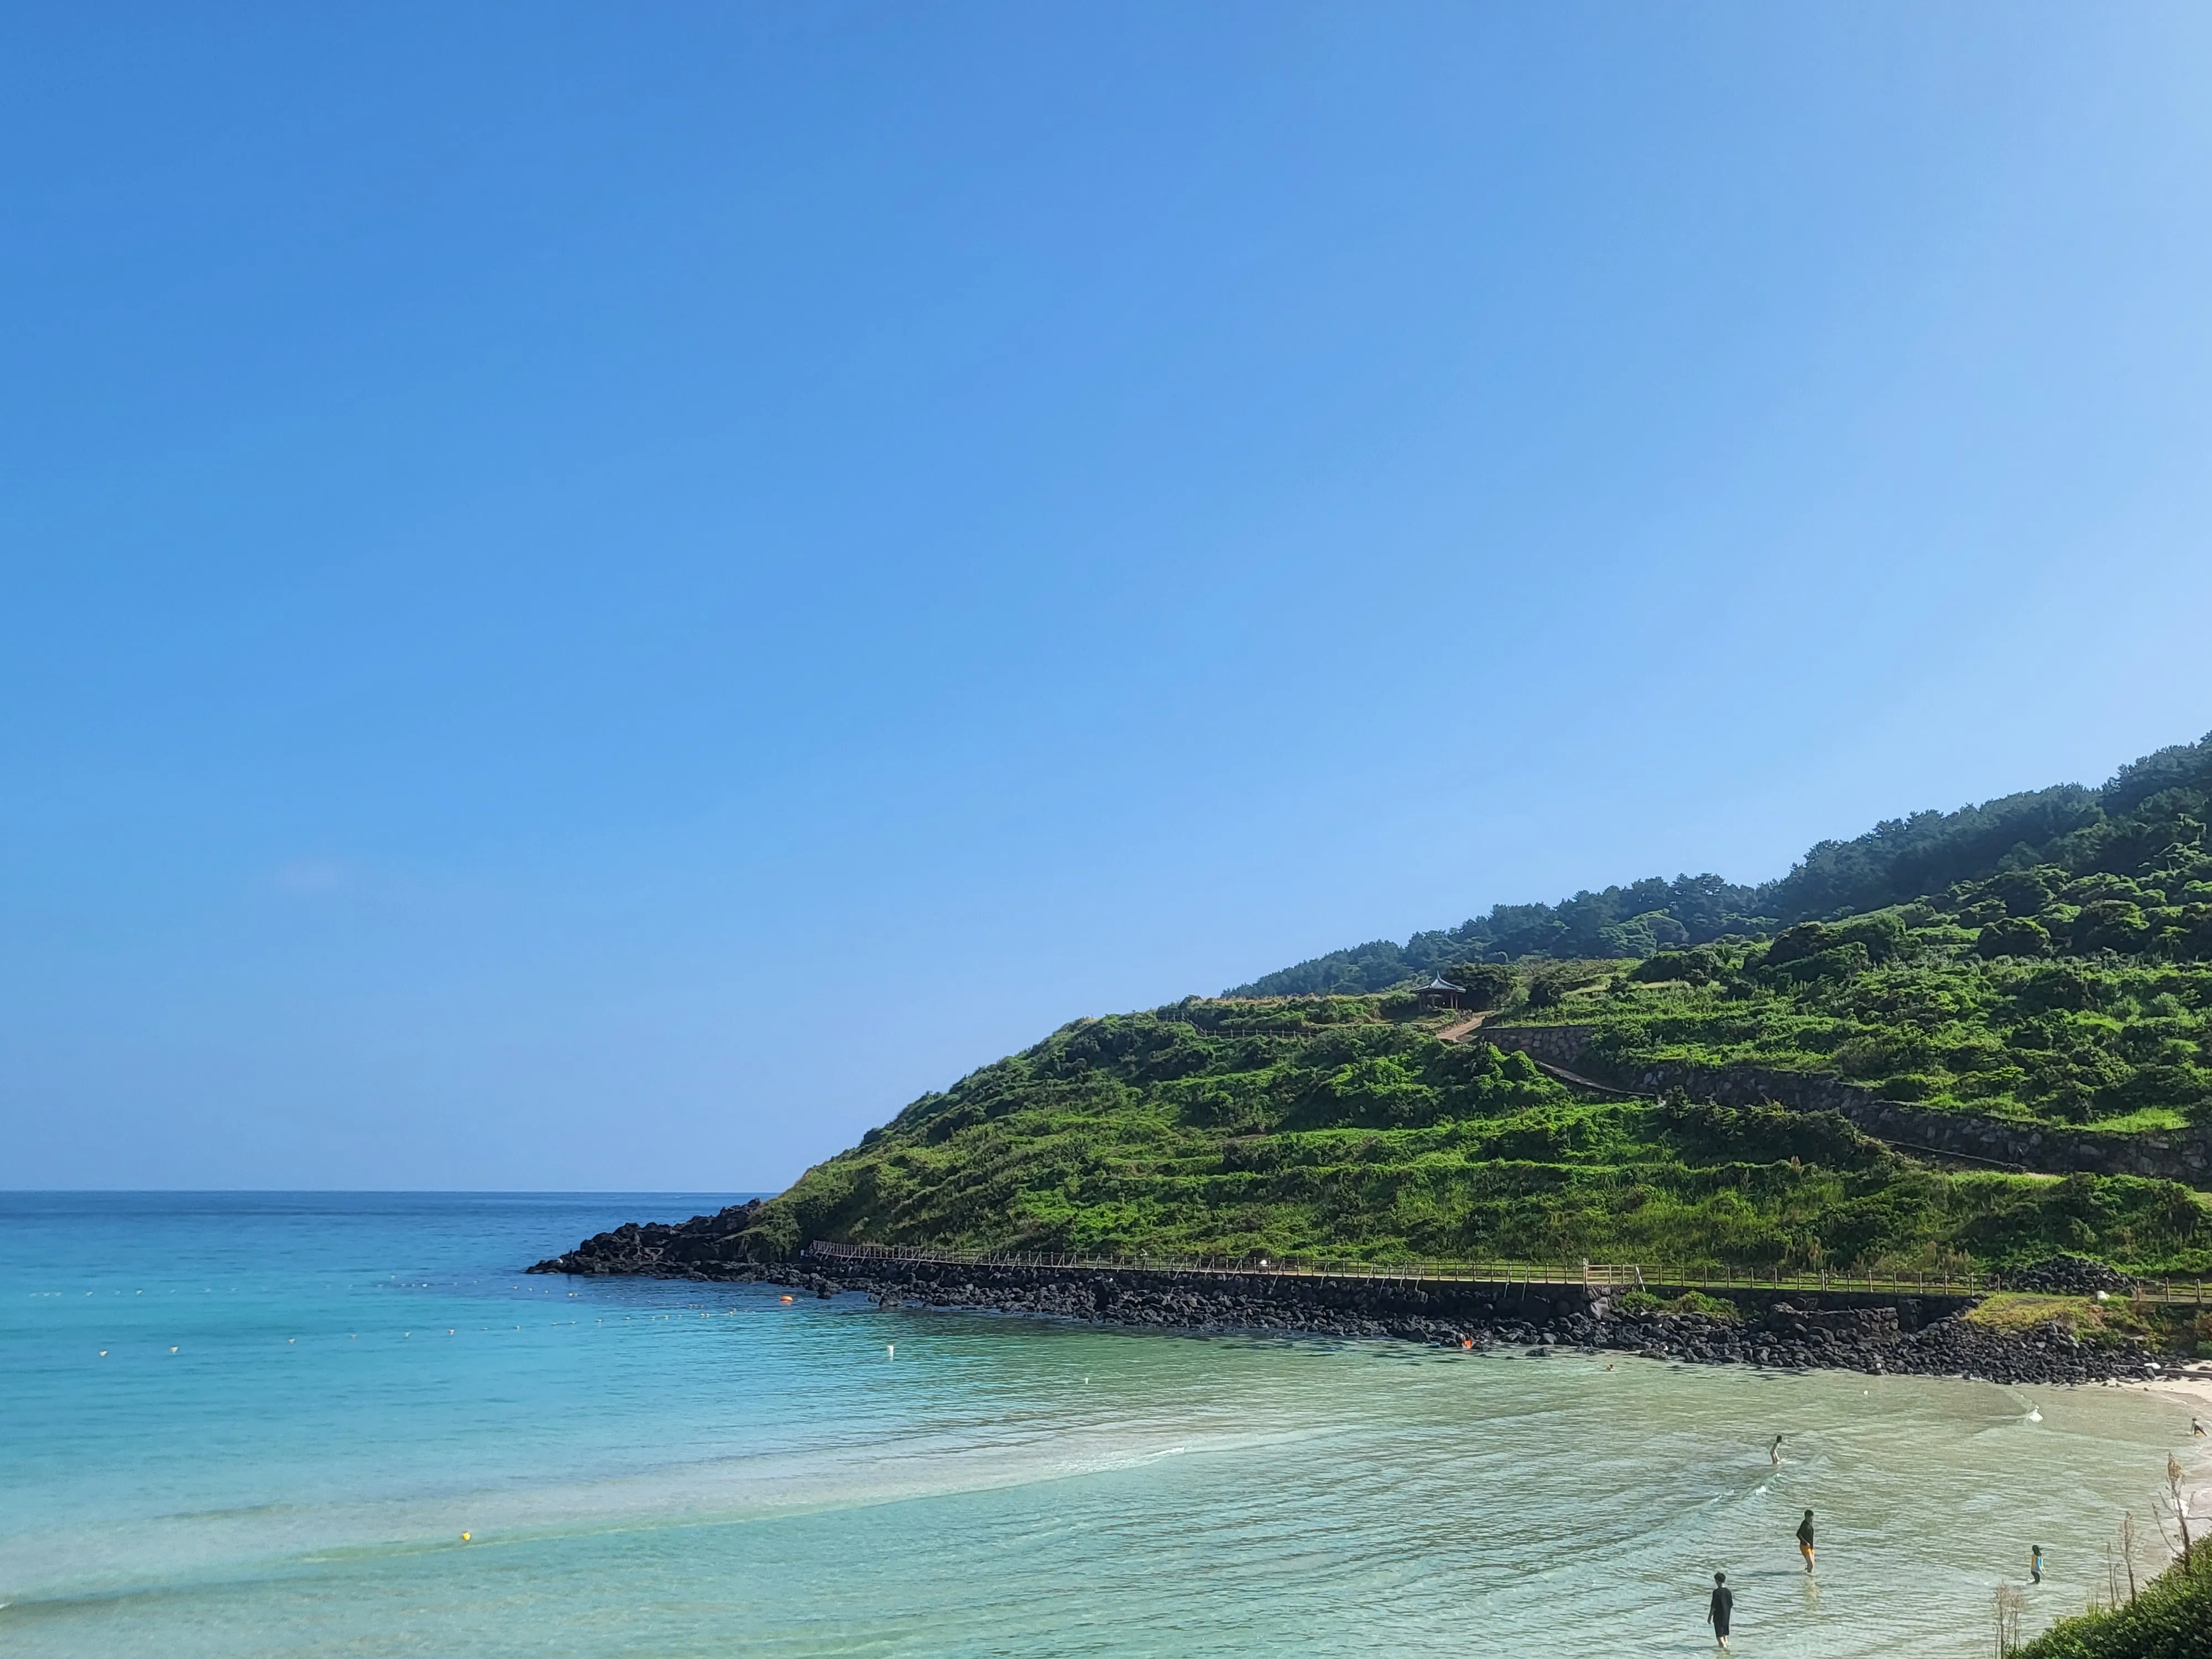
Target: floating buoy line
point(407, 1334)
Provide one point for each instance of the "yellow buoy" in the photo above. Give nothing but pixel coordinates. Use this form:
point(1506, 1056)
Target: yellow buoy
point(464, 1538)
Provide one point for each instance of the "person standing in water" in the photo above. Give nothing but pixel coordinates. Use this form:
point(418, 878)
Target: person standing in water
point(1723, 1606)
point(1805, 1539)
point(1774, 1452)
point(2035, 1565)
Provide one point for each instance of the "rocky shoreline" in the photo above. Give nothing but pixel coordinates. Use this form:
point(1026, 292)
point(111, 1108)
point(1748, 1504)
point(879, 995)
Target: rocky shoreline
point(1921, 1335)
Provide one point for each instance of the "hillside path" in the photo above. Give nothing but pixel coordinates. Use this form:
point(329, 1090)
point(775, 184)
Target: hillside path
point(1459, 1033)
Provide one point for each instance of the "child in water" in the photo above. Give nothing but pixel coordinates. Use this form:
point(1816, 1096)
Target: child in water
point(1723, 1605)
point(1805, 1539)
point(2035, 1565)
point(1774, 1452)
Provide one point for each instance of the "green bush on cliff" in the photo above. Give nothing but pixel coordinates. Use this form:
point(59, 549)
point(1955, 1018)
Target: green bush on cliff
point(2045, 957)
point(1326, 1129)
point(2129, 856)
point(2101, 1040)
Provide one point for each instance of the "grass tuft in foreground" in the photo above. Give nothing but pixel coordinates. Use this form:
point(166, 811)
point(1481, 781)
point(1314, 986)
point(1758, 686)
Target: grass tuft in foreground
point(2170, 1618)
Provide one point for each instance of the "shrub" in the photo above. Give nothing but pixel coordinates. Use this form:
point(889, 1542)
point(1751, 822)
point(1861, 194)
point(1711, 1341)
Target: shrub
point(2111, 925)
point(1690, 1302)
point(1697, 967)
point(1838, 962)
point(2015, 936)
point(2171, 1618)
point(1487, 984)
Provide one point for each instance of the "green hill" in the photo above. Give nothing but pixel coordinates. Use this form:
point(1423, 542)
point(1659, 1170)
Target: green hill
point(2127, 828)
point(2046, 957)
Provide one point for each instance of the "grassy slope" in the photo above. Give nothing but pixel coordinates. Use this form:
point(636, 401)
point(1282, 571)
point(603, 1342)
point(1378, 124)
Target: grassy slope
point(1350, 1132)
point(2047, 957)
point(1910, 1002)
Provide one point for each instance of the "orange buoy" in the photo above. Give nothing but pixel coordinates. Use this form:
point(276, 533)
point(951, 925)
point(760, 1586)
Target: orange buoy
point(783, 1298)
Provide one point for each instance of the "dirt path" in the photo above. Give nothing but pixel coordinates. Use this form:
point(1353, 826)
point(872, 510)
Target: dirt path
point(1458, 1033)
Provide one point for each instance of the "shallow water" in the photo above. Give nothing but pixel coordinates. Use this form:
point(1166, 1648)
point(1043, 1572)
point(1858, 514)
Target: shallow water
point(672, 1469)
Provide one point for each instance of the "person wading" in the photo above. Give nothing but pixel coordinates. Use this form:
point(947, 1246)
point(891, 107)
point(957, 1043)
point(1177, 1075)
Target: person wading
point(1805, 1539)
point(1722, 1608)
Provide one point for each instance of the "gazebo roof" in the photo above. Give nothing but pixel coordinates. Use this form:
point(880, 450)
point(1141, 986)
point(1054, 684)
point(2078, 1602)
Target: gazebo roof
point(1438, 982)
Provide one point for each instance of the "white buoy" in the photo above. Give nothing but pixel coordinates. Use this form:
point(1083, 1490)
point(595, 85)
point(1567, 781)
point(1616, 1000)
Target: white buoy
point(890, 1351)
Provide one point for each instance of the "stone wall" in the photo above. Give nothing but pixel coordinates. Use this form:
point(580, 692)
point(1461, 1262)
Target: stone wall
point(2183, 1155)
point(1556, 1045)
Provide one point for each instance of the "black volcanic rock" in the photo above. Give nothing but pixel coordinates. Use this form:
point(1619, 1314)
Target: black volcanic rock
point(2070, 1275)
point(660, 1250)
point(1864, 1332)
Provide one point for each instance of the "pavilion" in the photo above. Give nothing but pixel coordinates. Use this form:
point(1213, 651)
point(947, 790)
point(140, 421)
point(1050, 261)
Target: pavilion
point(1441, 993)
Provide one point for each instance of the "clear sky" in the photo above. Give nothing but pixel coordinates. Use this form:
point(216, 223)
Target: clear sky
point(596, 596)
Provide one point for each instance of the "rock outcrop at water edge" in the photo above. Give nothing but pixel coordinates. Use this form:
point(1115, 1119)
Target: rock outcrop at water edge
point(1790, 1330)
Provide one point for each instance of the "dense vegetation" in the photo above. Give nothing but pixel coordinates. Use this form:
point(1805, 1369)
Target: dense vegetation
point(1344, 1128)
point(2171, 1618)
point(2125, 827)
point(2045, 957)
point(2048, 956)
point(1914, 1004)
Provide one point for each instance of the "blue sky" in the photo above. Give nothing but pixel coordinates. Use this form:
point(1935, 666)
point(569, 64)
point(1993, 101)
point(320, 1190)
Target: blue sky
point(597, 597)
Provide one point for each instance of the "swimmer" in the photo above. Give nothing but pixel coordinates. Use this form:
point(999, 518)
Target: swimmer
point(1721, 1606)
point(1774, 1452)
point(2035, 1563)
point(1805, 1539)
point(2195, 1429)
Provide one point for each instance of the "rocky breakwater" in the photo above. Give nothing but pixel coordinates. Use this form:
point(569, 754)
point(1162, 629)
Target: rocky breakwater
point(1791, 1331)
point(1924, 1336)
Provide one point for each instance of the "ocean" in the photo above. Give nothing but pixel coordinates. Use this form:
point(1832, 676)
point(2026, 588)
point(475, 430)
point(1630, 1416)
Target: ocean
point(253, 1425)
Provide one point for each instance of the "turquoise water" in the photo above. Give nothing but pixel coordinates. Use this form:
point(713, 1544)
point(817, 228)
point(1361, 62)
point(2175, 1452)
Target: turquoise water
point(675, 1469)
